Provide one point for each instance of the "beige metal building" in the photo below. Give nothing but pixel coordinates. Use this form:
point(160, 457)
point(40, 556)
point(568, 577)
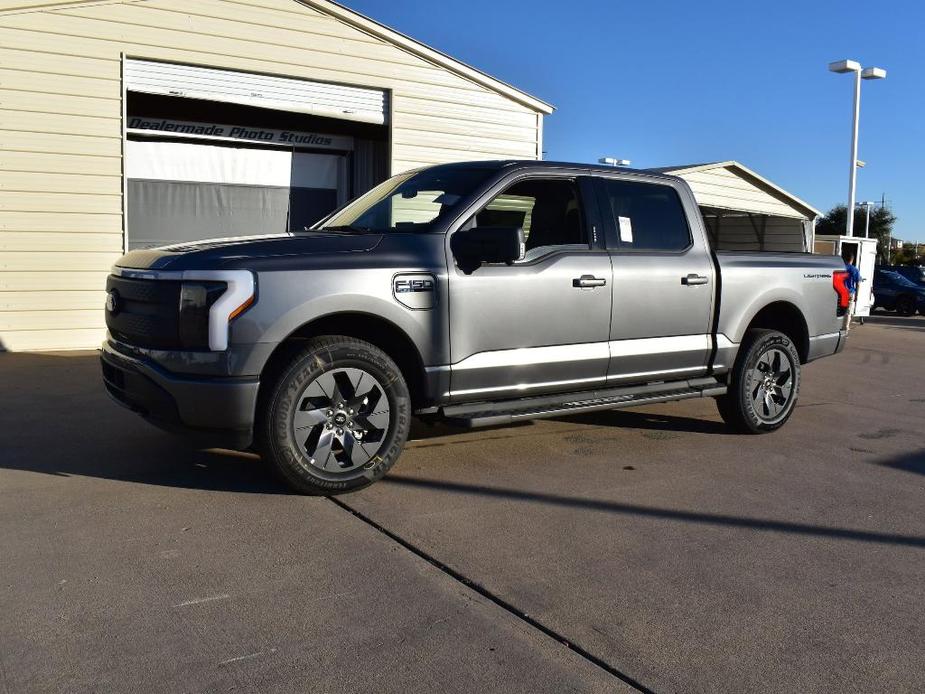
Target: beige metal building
point(140, 122)
point(746, 212)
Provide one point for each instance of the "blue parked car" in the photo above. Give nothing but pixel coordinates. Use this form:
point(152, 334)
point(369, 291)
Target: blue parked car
point(913, 273)
point(894, 292)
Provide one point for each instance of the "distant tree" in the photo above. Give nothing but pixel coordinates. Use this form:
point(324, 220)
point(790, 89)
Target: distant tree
point(881, 225)
point(909, 255)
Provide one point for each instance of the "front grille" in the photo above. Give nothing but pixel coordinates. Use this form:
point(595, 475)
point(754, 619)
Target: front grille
point(146, 312)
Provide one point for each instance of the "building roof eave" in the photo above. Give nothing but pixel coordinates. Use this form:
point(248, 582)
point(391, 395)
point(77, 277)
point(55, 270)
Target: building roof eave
point(431, 55)
point(732, 164)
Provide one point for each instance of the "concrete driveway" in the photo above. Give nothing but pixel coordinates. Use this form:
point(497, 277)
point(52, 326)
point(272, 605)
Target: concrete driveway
point(643, 549)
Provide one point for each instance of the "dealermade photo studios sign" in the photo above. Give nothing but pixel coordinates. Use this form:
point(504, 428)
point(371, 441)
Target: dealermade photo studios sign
point(221, 131)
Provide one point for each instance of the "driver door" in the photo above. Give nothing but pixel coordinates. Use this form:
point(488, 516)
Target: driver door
point(541, 324)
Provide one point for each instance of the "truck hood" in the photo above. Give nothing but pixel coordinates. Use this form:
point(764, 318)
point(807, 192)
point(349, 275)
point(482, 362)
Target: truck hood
point(221, 253)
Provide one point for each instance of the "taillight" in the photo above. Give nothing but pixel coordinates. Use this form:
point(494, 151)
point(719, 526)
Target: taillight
point(839, 284)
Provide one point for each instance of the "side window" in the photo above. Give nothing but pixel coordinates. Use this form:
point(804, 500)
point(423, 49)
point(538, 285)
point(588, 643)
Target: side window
point(548, 211)
point(646, 216)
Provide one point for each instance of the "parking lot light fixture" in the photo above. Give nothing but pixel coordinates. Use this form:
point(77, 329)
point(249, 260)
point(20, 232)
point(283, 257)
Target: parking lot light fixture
point(613, 161)
point(868, 73)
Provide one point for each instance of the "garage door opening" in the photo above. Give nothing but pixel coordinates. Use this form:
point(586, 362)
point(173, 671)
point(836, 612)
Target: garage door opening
point(198, 169)
point(732, 230)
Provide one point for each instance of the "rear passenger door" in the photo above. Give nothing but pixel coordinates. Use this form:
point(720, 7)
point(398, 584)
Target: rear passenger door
point(663, 282)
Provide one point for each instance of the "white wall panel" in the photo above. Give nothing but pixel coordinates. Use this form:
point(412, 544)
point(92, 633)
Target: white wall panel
point(61, 119)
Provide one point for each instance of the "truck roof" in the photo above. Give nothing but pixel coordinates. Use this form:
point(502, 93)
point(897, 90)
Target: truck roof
point(499, 164)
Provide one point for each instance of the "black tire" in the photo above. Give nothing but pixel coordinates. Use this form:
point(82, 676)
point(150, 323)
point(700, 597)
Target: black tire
point(905, 305)
point(738, 406)
point(288, 448)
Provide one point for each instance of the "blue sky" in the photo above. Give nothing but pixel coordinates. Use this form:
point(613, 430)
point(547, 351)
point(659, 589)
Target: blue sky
point(664, 83)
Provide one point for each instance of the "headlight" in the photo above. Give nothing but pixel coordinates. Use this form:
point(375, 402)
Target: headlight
point(196, 299)
point(212, 299)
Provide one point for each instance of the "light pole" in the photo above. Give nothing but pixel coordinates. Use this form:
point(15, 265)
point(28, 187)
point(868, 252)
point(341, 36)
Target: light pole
point(868, 73)
point(867, 204)
point(613, 161)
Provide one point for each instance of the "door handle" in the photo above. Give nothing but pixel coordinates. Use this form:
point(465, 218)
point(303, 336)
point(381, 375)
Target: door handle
point(588, 281)
point(692, 279)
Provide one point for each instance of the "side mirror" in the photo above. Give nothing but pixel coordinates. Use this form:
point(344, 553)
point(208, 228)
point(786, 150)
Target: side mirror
point(472, 247)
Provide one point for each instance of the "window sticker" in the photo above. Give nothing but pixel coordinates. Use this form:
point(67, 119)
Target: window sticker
point(626, 229)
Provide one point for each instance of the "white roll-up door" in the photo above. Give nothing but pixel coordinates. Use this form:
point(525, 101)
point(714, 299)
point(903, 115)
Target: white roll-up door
point(281, 93)
point(185, 191)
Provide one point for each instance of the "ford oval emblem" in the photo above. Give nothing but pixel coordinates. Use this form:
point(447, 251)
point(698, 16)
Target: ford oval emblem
point(112, 302)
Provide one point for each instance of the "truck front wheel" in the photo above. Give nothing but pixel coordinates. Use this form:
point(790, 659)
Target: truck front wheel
point(764, 383)
point(336, 419)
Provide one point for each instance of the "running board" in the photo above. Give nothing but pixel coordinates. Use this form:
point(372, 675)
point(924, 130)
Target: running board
point(485, 414)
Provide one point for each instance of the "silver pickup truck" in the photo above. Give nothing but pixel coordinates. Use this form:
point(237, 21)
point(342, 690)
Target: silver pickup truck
point(482, 293)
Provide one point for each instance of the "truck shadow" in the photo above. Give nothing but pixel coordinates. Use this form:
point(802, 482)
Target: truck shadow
point(56, 419)
point(634, 419)
point(618, 419)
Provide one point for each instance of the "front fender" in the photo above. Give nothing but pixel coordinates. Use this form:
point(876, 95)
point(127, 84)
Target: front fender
point(290, 300)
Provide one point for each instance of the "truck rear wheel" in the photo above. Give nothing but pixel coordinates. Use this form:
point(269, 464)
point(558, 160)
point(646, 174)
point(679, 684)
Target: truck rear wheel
point(764, 383)
point(336, 419)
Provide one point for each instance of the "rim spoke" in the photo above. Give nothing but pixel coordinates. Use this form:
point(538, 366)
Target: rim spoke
point(785, 390)
point(326, 383)
point(775, 357)
point(321, 451)
point(367, 402)
point(345, 386)
point(356, 454)
point(309, 418)
point(378, 420)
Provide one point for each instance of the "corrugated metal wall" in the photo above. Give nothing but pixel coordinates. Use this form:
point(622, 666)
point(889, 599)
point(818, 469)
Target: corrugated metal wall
point(61, 129)
point(721, 187)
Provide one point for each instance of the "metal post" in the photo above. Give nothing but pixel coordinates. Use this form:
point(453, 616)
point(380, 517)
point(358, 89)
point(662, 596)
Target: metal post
point(853, 173)
point(867, 222)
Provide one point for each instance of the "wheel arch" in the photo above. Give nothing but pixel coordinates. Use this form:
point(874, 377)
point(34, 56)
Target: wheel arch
point(787, 318)
point(371, 328)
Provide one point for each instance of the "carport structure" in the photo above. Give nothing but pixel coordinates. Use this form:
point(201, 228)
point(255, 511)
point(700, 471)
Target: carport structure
point(743, 211)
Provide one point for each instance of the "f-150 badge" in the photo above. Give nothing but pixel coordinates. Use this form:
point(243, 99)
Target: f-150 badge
point(417, 291)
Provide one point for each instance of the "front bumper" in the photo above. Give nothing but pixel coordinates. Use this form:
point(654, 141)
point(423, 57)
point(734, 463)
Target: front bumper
point(215, 411)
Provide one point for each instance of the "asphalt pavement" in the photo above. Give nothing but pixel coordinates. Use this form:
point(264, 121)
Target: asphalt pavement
point(629, 550)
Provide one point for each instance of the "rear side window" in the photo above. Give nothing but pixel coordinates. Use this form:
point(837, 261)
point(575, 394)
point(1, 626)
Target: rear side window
point(644, 216)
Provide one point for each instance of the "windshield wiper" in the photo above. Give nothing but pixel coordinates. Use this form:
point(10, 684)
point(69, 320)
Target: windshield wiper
point(348, 228)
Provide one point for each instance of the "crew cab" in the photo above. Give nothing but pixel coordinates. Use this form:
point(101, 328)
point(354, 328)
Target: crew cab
point(482, 293)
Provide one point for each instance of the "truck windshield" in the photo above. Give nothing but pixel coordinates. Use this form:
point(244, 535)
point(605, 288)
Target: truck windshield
point(407, 202)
